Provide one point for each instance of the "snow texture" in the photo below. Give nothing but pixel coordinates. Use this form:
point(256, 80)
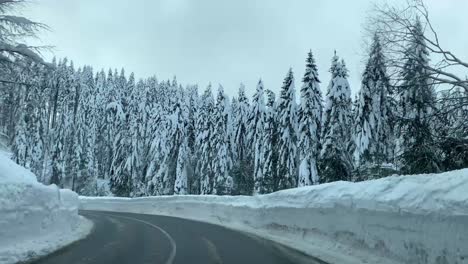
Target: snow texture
point(398, 219)
point(35, 219)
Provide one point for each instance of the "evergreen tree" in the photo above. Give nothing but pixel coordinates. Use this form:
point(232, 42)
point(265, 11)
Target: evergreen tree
point(135, 105)
point(179, 154)
point(335, 163)
point(310, 119)
point(87, 184)
point(205, 143)
point(256, 125)
point(183, 157)
point(222, 183)
point(269, 146)
point(417, 150)
point(184, 152)
point(37, 119)
point(287, 140)
point(452, 129)
point(242, 167)
point(102, 146)
point(120, 179)
point(372, 130)
point(20, 144)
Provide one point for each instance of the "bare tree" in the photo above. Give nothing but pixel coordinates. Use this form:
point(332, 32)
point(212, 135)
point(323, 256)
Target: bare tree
point(395, 26)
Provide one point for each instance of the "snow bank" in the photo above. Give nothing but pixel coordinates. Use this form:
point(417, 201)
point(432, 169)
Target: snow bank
point(35, 219)
point(399, 219)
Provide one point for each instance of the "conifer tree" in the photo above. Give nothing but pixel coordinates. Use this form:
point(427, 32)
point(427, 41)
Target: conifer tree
point(287, 131)
point(417, 104)
point(372, 131)
point(205, 147)
point(242, 167)
point(222, 182)
point(336, 161)
point(269, 146)
point(256, 127)
point(310, 119)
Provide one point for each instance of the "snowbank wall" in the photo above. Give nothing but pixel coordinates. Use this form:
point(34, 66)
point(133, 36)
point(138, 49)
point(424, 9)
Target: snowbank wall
point(399, 219)
point(34, 219)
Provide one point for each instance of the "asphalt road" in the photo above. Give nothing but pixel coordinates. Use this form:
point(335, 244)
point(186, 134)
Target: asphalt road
point(137, 239)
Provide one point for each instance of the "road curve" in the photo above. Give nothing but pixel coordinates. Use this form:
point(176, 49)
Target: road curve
point(137, 238)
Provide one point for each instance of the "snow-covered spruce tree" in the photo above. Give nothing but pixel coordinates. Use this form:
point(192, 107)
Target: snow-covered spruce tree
point(101, 150)
point(184, 160)
point(335, 158)
point(192, 101)
point(71, 87)
point(222, 182)
point(287, 135)
point(132, 138)
point(180, 154)
point(36, 141)
point(192, 104)
point(20, 143)
point(76, 164)
point(242, 167)
point(269, 146)
point(141, 115)
point(37, 118)
point(57, 157)
point(372, 133)
point(109, 99)
point(256, 126)
point(163, 145)
point(120, 180)
point(157, 131)
point(62, 122)
point(156, 148)
point(205, 144)
point(174, 166)
point(417, 149)
point(451, 129)
point(87, 183)
point(25, 111)
point(310, 119)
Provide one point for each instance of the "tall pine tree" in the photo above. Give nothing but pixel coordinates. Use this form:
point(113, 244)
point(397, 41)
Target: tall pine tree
point(310, 121)
point(336, 161)
point(372, 131)
point(287, 135)
point(256, 125)
point(417, 149)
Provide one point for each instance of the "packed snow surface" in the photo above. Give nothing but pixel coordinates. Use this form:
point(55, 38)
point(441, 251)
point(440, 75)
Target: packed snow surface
point(399, 219)
point(35, 219)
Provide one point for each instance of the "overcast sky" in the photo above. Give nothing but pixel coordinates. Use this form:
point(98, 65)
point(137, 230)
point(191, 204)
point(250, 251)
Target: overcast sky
point(221, 41)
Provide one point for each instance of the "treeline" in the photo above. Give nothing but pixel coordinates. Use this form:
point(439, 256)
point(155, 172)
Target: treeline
point(73, 127)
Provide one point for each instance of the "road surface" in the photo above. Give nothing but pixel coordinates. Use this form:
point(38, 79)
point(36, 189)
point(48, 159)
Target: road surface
point(137, 238)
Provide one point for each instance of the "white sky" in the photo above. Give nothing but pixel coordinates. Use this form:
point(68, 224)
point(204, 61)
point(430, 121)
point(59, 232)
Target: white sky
point(221, 41)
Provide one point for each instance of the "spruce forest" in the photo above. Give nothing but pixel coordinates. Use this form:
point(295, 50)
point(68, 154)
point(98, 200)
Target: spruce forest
point(104, 132)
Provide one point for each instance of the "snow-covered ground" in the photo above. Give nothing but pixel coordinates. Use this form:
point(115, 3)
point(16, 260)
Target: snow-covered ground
point(35, 219)
point(399, 219)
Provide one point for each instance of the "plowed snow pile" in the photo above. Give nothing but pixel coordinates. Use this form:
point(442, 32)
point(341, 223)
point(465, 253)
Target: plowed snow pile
point(35, 219)
point(399, 219)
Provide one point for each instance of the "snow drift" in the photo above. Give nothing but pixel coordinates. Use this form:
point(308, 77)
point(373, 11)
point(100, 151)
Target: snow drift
point(34, 219)
point(399, 219)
